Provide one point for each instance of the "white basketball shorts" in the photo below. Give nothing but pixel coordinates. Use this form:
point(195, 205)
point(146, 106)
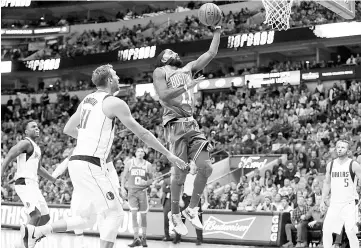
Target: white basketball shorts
point(94, 192)
point(339, 214)
point(31, 197)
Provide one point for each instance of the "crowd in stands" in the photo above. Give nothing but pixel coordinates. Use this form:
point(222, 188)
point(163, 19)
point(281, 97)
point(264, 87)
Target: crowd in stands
point(305, 13)
point(128, 14)
point(281, 119)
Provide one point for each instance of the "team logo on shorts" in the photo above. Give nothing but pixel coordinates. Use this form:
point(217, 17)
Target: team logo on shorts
point(110, 195)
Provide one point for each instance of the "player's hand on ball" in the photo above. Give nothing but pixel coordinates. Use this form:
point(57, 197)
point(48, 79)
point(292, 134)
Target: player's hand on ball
point(60, 183)
point(177, 161)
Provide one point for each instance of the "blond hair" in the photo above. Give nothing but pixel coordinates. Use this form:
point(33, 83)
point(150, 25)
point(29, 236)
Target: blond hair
point(101, 74)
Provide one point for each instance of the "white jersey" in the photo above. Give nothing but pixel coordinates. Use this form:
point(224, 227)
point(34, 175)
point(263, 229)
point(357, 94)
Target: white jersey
point(96, 130)
point(343, 182)
point(27, 167)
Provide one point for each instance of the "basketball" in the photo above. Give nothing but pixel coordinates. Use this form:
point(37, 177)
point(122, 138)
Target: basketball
point(209, 14)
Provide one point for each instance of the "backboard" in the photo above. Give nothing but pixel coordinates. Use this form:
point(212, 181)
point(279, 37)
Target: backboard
point(344, 8)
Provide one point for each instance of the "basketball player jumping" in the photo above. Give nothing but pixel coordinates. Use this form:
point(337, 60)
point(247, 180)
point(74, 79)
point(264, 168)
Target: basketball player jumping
point(93, 189)
point(340, 180)
point(173, 82)
point(138, 173)
point(28, 156)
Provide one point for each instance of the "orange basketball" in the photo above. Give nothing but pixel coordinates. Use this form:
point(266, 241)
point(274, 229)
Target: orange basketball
point(209, 14)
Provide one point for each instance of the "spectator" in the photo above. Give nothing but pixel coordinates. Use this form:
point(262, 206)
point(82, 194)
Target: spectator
point(280, 178)
point(312, 220)
point(267, 205)
point(297, 216)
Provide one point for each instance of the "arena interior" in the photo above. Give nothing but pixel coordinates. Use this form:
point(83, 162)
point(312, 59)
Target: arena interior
point(273, 104)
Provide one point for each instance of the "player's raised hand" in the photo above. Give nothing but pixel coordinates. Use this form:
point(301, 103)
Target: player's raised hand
point(177, 161)
point(60, 183)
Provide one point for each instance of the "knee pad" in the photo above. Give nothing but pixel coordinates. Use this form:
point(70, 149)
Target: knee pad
point(205, 168)
point(109, 225)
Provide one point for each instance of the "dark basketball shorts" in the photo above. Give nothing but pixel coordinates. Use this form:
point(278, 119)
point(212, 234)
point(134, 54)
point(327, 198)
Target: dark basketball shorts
point(185, 140)
point(138, 200)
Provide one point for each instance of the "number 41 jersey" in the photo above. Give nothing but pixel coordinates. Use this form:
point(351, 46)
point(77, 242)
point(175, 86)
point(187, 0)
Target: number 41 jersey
point(180, 106)
point(95, 131)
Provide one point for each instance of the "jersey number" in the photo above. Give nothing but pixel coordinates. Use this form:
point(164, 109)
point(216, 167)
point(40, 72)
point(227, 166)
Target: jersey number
point(187, 98)
point(84, 118)
point(137, 180)
point(346, 182)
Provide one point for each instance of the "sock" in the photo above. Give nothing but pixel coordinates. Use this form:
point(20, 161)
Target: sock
point(136, 232)
point(144, 232)
point(175, 188)
point(43, 230)
point(199, 184)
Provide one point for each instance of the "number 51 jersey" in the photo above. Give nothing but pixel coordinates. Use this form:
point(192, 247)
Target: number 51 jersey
point(180, 106)
point(96, 130)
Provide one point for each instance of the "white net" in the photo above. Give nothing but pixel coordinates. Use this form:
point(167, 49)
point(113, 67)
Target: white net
point(278, 13)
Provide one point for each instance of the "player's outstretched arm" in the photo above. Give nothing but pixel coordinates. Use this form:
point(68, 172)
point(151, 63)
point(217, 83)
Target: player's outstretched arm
point(61, 168)
point(71, 127)
point(207, 57)
point(326, 186)
point(356, 167)
point(124, 176)
point(115, 107)
point(43, 173)
point(24, 146)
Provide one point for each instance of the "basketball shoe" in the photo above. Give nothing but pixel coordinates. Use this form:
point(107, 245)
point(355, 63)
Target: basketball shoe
point(176, 223)
point(191, 214)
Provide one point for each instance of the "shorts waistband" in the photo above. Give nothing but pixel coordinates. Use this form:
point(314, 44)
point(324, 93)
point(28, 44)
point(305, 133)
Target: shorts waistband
point(184, 119)
point(89, 159)
point(20, 181)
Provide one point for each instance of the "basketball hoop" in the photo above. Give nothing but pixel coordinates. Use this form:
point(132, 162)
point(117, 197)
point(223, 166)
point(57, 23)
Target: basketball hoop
point(278, 13)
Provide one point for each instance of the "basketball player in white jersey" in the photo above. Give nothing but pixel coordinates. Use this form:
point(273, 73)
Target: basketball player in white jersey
point(138, 173)
point(28, 156)
point(341, 182)
point(61, 168)
point(93, 189)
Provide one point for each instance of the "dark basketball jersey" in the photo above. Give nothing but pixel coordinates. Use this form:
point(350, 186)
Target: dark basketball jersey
point(180, 106)
point(137, 173)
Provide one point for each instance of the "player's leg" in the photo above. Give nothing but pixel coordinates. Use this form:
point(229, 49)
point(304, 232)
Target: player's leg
point(86, 185)
point(108, 225)
point(79, 233)
point(143, 209)
point(200, 155)
point(44, 210)
point(331, 224)
point(177, 180)
point(133, 200)
point(179, 148)
point(27, 197)
point(351, 229)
